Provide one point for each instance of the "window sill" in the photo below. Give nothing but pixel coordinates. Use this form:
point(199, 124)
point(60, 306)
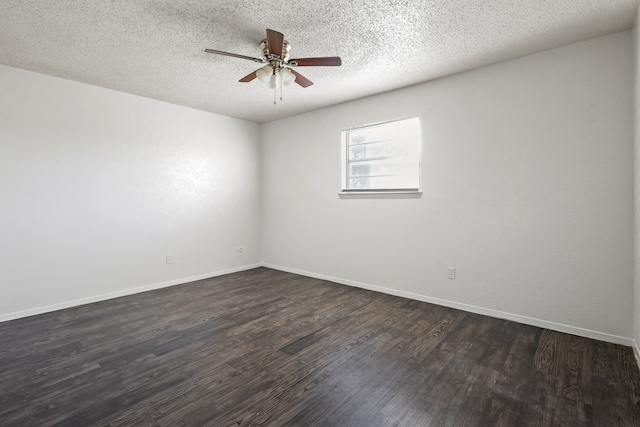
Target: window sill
point(381, 194)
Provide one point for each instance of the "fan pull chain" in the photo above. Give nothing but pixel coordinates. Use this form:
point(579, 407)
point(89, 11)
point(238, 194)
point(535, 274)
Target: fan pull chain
point(278, 82)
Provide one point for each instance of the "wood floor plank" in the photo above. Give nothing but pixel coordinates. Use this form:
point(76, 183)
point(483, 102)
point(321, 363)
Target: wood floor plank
point(266, 347)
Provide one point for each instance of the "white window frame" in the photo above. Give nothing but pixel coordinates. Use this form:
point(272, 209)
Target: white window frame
point(345, 164)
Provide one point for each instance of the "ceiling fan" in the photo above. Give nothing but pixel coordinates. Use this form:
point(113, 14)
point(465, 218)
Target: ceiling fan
point(280, 68)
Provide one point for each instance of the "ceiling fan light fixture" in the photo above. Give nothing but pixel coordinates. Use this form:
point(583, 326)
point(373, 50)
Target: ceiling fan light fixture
point(287, 76)
point(265, 74)
point(277, 72)
point(273, 81)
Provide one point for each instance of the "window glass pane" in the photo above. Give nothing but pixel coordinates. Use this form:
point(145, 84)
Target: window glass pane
point(375, 133)
point(379, 182)
point(383, 157)
point(393, 166)
point(378, 149)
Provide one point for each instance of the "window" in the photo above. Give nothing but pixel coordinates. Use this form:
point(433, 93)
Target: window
point(382, 157)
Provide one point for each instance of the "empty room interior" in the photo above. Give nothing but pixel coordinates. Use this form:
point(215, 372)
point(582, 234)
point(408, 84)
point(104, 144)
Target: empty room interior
point(184, 241)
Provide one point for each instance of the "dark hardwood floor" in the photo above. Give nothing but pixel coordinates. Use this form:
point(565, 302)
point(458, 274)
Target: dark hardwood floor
point(265, 347)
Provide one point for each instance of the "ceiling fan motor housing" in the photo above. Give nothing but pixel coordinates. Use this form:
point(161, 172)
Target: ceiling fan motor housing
point(286, 48)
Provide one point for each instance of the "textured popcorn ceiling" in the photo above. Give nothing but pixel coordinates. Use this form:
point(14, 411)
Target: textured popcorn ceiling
point(154, 48)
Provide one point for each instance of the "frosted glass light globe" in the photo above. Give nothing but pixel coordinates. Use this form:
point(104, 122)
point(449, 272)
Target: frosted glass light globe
point(287, 76)
point(264, 73)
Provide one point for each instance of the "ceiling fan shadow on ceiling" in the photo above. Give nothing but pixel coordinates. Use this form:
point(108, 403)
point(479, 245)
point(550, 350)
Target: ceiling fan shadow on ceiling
point(279, 69)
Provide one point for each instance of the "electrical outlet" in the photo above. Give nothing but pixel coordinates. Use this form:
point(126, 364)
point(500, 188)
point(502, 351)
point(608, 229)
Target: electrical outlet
point(452, 273)
point(169, 258)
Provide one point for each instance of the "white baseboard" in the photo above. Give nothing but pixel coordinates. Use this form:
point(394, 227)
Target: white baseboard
point(636, 352)
point(447, 303)
point(574, 330)
point(118, 294)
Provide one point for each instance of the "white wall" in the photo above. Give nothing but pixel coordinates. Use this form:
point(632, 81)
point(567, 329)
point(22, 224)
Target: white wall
point(528, 192)
point(97, 186)
point(636, 168)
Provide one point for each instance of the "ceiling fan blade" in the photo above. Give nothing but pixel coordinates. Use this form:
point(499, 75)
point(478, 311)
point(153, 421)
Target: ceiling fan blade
point(235, 55)
point(325, 61)
point(275, 41)
point(302, 80)
point(248, 78)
